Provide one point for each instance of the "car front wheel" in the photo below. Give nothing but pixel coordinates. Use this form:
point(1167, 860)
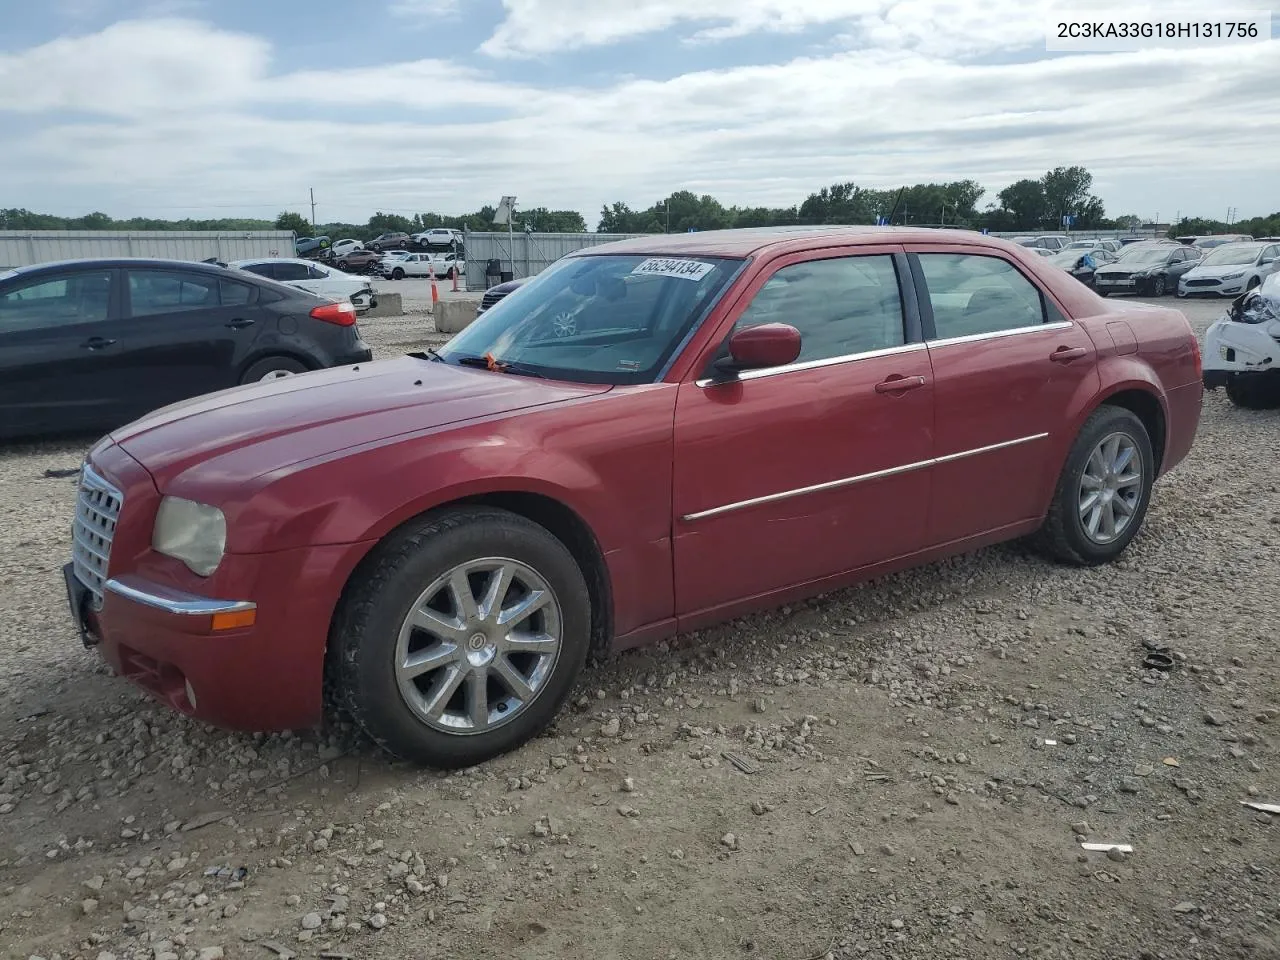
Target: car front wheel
point(461, 636)
point(397, 274)
point(1102, 494)
point(1158, 286)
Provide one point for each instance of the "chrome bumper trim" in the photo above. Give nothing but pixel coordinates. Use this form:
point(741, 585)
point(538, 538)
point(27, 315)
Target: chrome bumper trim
point(173, 601)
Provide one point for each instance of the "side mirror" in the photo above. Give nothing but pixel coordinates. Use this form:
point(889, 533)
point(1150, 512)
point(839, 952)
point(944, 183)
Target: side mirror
point(766, 345)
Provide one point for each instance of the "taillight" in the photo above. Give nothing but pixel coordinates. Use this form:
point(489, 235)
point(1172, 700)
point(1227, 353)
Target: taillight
point(343, 313)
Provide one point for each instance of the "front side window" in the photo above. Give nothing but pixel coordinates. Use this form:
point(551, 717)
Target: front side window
point(842, 306)
point(58, 302)
point(168, 291)
point(596, 318)
point(972, 294)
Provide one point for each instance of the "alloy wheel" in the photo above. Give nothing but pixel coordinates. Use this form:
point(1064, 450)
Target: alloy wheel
point(1110, 488)
point(478, 646)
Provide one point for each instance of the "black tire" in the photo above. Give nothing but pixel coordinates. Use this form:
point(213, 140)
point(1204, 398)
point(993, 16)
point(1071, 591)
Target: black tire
point(449, 275)
point(1254, 393)
point(1159, 285)
point(404, 245)
point(1101, 293)
point(284, 366)
point(1062, 536)
point(363, 637)
point(397, 274)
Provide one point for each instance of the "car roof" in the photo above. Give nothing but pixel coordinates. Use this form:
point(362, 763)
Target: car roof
point(236, 263)
point(749, 241)
point(117, 263)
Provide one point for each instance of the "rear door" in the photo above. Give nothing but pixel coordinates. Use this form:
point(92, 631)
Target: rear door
point(59, 339)
point(185, 334)
point(1007, 364)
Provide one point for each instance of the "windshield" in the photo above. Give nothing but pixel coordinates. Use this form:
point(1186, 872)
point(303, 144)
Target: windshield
point(596, 319)
point(1231, 255)
point(1136, 254)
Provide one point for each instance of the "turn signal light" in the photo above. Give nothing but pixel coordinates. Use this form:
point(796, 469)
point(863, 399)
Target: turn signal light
point(233, 620)
point(342, 313)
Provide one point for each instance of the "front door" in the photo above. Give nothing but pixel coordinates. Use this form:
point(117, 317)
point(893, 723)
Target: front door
point(788, 475)
point(1007, 365)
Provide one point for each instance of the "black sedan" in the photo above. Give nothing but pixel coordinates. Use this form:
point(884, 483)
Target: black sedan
point(92, 344)
point(1146, 268)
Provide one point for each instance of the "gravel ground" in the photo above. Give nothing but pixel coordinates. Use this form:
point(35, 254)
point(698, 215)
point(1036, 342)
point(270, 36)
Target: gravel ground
point(904, 769)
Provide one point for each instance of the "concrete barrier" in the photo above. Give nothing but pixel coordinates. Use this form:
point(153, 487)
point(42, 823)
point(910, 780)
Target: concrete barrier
point(453, 316)
point(389, 305)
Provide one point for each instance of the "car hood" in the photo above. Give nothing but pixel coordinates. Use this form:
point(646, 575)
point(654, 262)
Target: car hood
point(243, 433)
point(1216, 270)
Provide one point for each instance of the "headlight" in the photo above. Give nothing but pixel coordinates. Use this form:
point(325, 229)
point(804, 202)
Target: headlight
point(1232, 276)
point(194, 533)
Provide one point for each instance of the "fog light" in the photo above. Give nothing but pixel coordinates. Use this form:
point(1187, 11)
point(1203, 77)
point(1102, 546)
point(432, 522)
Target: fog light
point(191, 694)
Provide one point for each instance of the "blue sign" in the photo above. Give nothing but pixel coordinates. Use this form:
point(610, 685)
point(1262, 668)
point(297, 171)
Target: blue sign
point(1068, 219)
point(984, 229)
point(693, 229)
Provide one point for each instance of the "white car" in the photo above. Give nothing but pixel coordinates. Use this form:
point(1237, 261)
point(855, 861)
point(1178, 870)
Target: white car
point(317, 278)
point(343, 247)
point(1231, 269)
point(442, 265)
point(438, 237)
point(1084, 246)
point(1242, 350)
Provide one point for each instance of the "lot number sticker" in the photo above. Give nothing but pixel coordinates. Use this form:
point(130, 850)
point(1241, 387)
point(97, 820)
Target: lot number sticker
point(665, 267)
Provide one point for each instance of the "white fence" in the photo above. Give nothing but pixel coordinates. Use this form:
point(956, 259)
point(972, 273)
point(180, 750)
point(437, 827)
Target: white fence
point(525, 254)
point(20, 248)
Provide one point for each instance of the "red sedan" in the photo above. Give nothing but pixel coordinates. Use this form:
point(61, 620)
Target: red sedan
point(649, 437)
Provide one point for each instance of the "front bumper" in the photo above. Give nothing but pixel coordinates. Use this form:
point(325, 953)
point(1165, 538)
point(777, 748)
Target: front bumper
point(1216, 288)
point(262, 672)
point(1114, 285)
point(1232, 348)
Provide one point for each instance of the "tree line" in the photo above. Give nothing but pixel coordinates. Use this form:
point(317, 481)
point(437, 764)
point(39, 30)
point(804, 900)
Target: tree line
point(1031, 205)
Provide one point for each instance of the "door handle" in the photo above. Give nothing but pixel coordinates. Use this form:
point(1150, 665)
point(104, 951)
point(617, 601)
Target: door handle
point(1067, 354)
point(238, 324)
point(897, 384)
point(96, 343)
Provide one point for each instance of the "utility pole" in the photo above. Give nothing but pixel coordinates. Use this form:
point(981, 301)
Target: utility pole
point(313, 210)
point(667, 206)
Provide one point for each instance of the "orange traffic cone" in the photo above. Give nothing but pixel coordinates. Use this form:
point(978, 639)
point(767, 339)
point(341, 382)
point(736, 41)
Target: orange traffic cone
point(435, 294)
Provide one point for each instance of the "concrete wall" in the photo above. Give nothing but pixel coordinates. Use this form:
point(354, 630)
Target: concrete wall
point(20, 248)
point(453, 316)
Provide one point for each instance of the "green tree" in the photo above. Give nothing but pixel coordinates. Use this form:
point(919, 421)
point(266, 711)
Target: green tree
point(288, 220)
point(1026, 204)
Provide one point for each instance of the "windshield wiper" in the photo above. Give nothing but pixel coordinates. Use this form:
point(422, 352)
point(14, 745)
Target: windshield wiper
point(500, 366)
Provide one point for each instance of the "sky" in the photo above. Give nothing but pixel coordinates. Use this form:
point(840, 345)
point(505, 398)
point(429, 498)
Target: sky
point(207, 108)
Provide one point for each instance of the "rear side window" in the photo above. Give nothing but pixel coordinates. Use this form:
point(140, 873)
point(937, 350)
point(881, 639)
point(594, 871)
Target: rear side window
point(973, 294)
point(261, 269)
point(291, 271)
point(168, 291)
point(56, 302)
point(842, 306)
point(235, 294)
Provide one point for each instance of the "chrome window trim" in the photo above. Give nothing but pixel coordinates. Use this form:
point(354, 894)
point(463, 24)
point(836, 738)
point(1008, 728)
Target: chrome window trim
point(813, 364)
point(175, 601)
point(860, 478)
point(1000, 334)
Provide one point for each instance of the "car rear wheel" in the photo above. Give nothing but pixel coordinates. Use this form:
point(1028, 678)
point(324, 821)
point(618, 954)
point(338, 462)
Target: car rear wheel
point(461, 636)
point(272, 368)
point(1103, 491)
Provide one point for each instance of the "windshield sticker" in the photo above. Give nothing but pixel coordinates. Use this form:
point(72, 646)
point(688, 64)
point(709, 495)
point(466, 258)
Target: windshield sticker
point(665, 267)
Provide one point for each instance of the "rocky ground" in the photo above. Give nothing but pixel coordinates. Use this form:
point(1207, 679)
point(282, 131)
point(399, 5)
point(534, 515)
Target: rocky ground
point(906, 769)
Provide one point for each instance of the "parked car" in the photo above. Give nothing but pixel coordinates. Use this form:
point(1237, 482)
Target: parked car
point(1043, 251)
point(93, 344)
point(1151, 269)
point(440, 265)
point(652, 436)
point(1231, 269)
point(1217, 240)
point(361, 261)
point(438, 237)
point(498, 292)
point(311, 245)
point(389, 241)
point(1047, 241)
point(344, 247)
point(1111, 246)
point(318, 278)
point(1081, 264)
point(1126, 241)
point(1240, 349)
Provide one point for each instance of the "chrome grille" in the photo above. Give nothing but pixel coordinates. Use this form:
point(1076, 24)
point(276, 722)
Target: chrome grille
point(489, 299)
point(98, 506)
point(1202, 283)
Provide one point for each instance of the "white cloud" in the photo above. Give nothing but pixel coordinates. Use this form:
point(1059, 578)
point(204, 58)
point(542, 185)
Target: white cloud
point(188, 115)
point(426, 10)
